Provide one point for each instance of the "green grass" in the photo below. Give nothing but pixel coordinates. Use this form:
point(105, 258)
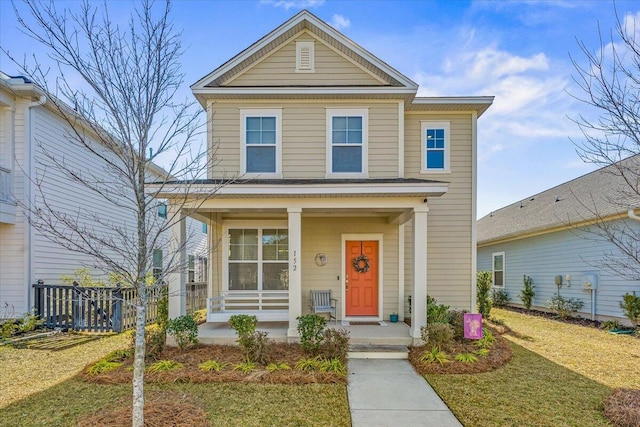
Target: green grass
point(559, 376)
point(44, 391)
point(231, 404)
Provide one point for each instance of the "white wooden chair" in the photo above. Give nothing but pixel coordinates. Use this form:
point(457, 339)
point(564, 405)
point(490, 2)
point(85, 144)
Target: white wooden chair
point(321, 302)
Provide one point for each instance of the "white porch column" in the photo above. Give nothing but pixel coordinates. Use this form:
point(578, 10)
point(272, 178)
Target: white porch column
point(419, 297)
point(295, 282)
point(178, 258)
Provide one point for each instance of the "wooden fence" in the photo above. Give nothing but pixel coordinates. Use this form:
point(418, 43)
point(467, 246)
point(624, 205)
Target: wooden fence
point(103, 309)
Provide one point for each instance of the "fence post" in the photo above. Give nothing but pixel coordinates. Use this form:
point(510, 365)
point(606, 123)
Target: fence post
point(39, 299)
point(75, 307)
point(116, 319)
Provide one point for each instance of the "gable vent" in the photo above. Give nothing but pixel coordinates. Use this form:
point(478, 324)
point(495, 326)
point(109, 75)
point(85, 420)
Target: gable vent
point(305, 57)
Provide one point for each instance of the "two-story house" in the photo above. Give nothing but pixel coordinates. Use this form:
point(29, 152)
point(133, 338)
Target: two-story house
point(345, 180)
point(31, 130)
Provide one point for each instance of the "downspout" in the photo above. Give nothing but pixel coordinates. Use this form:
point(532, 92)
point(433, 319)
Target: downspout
point(30, 194)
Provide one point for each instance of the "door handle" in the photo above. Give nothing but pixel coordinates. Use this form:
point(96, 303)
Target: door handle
point(346, 282)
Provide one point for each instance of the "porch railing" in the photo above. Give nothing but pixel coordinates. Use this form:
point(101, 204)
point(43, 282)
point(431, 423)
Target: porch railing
point(266, 305)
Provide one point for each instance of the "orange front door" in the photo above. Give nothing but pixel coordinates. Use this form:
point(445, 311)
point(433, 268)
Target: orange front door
point(361, 288)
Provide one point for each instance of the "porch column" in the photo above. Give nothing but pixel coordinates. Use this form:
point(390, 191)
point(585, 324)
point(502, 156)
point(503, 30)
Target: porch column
point(177, 257)
point(295, 282)
point(419, 297)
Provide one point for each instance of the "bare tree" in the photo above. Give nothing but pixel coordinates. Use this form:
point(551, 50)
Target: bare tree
point(609, 79)
point(124, 114)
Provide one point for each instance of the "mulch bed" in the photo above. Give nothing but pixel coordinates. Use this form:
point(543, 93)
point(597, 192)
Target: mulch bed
point(191, 358)
point(499, 355)
point(622, 407)
point(160, 409)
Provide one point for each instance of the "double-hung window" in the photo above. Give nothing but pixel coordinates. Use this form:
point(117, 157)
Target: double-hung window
point(261, 142)
point(435, 141)
point(258, 259)
point(347, 136)
point(498, 269)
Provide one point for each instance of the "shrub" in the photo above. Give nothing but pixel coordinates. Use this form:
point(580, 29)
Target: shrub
point(200, 316)
point(243, 324)
point(30, 322)
point(309, 364)
point(437, 335)
point(333, 365)
point(466, 358)
point(245, 367)
point(527, 294)
point(155, 339)
point(164, 366)
point(564, 307)
point(482, 352)
point(184, 330)
point(456, 320)
point(118, 356)
point(487, 340)
point(271, 367)
point(8, 328)
point(335, 344)
point(213, 366)
point(310, 327)
point(256, 347)
point(630, 304)
point(436, 313)
point(499, 298)
point(435, 355)
point(483, 286)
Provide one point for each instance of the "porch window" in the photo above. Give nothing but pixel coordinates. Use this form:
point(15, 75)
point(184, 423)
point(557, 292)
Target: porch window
point(498, 269)
point(347, 142)
point(191, 269)
point(258, 259)
point(157, 263)
point(435, 146)
point(261, 142)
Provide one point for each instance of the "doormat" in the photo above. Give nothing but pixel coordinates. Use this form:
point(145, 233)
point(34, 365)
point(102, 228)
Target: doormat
point(380, 323)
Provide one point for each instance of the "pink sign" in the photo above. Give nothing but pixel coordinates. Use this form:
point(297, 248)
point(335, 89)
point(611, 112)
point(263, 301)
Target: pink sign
point(472, 326)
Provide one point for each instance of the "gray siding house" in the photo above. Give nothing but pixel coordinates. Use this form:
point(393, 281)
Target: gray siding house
point(555, 233)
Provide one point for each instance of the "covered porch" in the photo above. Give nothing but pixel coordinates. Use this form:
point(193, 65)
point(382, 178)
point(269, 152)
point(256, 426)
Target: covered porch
point(272, 243)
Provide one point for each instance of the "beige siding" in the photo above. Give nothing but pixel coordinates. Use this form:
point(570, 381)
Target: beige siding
point(450, 217)
point(279, 69)
point(304, 138)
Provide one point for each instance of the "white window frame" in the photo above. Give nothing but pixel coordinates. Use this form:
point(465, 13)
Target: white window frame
point(493, 269)
point(430, 124)
point(239, 225)
point(300, 46)
point(261, 112)
point(350, 112)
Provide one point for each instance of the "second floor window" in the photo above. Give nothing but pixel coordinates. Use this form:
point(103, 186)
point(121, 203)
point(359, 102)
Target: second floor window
point(435, 146)
point(261, 142)
point(347, 142)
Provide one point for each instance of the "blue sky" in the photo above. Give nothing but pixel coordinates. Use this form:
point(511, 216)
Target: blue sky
point(517, 51)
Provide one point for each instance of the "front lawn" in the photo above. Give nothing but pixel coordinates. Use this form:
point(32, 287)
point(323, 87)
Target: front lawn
point(559, 375)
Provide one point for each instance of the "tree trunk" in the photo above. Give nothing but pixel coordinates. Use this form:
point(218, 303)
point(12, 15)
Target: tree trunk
point(137, 417)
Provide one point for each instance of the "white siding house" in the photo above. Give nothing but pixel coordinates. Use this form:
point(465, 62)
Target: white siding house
point(28, 127)
point(553, 234)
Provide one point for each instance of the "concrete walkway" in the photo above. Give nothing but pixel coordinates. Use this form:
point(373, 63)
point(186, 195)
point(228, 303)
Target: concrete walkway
point(386, 392)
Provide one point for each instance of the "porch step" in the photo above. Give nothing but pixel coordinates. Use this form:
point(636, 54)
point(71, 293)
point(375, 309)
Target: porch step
point(365, 351)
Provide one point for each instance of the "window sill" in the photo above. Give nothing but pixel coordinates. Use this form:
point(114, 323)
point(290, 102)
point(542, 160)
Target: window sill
point(435, 171)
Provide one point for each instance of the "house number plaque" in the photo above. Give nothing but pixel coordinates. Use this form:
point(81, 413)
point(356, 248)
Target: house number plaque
point(294, 261)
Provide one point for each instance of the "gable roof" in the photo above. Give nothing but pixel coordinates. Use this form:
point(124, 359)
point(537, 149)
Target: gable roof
point(305, 20)
point(595, 195)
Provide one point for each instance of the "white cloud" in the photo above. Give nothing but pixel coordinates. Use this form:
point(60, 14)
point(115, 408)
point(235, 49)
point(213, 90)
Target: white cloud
point(288, 4)
point(339, 22)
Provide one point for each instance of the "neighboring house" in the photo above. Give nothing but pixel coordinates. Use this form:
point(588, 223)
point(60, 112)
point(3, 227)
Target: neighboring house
point(338, 162)
point(28, 122)
point(552, 236)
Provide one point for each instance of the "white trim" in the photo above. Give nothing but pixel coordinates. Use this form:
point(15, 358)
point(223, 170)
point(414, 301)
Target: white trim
point(395, 189)
point(474, 209)
point(400, 139)
point(429, 124)
point(401, 278)
point(301, 46)
point(304, 90)
point(351, 112)
point(260, 112)
point(244, 225)
point(359, 237)
point(493, 270)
